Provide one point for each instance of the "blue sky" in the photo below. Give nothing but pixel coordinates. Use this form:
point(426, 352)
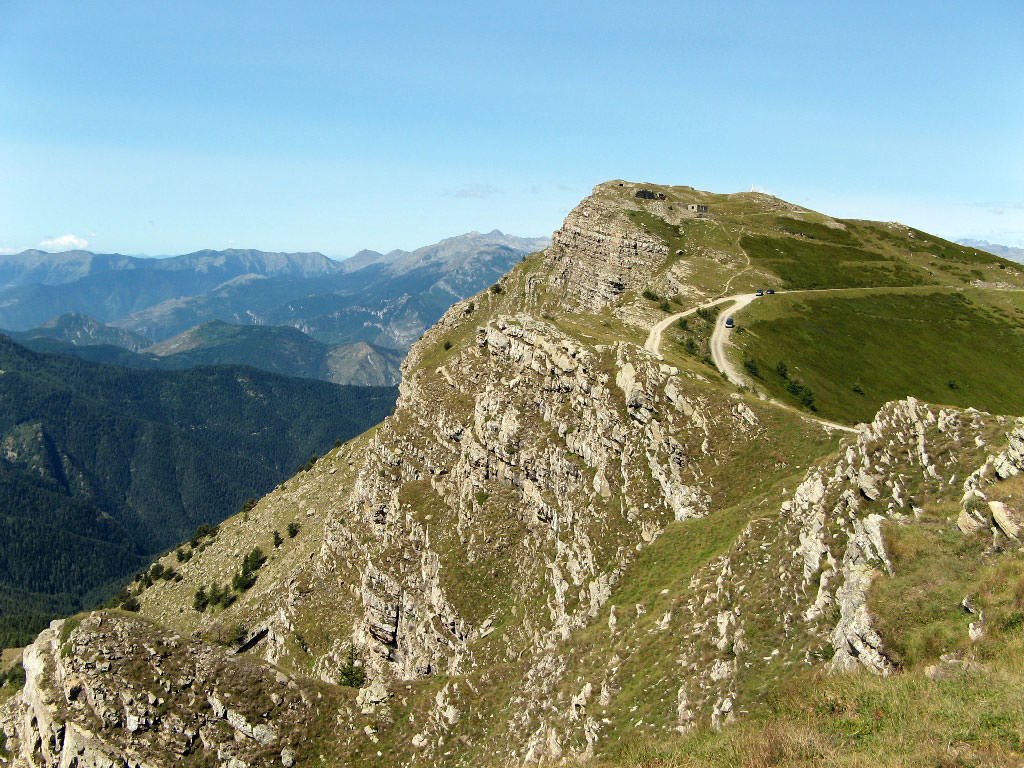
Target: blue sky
point(159, 128)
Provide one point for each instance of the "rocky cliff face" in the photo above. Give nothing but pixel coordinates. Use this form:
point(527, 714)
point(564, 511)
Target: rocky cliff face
point(118, 690)
point(599, 254)
point(558, 537)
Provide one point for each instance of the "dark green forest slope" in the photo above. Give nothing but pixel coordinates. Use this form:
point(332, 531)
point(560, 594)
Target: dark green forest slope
point(101, 467)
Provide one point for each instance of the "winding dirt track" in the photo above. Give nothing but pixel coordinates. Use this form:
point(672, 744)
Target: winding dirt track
point(719, 343)
point(653, 342)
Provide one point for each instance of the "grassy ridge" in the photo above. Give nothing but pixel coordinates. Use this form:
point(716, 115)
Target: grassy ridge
point(804, 264)
point(966, 711)
point(859, 720)
point(858, 351)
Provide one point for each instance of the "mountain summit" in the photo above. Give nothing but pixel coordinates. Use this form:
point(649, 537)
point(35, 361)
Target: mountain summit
point(606, 526)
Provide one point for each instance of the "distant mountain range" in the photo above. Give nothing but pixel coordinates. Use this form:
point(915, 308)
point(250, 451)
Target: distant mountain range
point(1006, 251)
point(77, 330)
point(36, 286)
point(303, 314)
point(283, 350)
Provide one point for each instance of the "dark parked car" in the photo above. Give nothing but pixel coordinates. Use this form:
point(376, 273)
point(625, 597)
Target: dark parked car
point(729, 323)
point(759, 292)
point(771, 291)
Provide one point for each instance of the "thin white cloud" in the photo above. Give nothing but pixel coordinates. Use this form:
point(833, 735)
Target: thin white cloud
point(6, 249)
point(64, 243)
point(475, 191)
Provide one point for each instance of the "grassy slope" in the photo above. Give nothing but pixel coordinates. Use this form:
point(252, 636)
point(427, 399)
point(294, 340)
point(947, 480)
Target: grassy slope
point(941, 346)
point(931, 714)
point(961, 349)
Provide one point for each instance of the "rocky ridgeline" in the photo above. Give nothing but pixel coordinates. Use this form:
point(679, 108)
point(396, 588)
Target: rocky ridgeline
point(802, 569)
point(116, 690)
point(522, 458)
point(599, 254)
point(473, 552)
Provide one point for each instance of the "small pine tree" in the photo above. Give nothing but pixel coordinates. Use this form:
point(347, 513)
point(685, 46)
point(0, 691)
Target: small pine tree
point(131, 604)
point(220, 595)
point(254, 560)
point(200, 601)
point(236, 634)
point(351, 672)
point(242, 581)
point(277, 539)
point(293, 529)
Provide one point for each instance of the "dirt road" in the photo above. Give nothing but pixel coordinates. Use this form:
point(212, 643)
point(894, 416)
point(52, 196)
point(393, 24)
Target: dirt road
point(719, 349)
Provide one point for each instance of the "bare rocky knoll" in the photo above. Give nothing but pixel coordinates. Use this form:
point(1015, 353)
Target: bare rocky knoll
point(559, 540)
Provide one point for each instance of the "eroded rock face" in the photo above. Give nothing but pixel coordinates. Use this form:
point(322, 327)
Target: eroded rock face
point(599, 254)
point(544, 428)
point(116, 690)
point(804, 570)
point(976, 511)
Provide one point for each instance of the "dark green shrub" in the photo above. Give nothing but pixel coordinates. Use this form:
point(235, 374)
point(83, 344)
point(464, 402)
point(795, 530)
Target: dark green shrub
point(203, 531)
point(236, 634)
point(351, 673)
point(245, 578)
point(131, 604)
point(242, 580)
point(220, 595)
point(254, 560)
point(13, 677)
